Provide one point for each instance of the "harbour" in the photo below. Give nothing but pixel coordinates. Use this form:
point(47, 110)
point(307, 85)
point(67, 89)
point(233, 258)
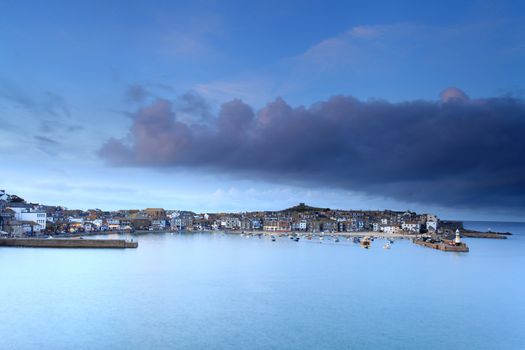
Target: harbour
point(278, 294)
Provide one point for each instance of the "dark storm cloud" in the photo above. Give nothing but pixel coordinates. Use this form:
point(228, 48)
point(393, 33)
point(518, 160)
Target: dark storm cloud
point(194, 105)
point(457, 151)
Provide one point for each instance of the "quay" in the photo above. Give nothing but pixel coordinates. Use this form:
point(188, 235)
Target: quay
point(446, 246)
point(67, 243)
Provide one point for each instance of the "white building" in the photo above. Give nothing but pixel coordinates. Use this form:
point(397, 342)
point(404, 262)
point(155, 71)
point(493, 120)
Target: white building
point(411, 226)
point(432, 222)
point(158, 224)
point(75, 220)
point(230, 223)
point(303, 224)
point(40, 218)
point(97, 222)
point(115, 222)
point(391, 229)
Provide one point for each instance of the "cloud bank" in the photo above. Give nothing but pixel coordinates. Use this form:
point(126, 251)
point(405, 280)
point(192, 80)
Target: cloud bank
point(457, 151)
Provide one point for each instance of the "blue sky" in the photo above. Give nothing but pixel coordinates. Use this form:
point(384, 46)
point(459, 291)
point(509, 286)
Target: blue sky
point(67, 70)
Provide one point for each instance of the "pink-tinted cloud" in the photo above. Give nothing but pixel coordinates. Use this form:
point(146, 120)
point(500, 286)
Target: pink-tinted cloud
point(453, 94)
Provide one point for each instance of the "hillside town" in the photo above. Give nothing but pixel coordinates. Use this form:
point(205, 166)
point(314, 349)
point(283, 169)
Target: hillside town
point(20, 218)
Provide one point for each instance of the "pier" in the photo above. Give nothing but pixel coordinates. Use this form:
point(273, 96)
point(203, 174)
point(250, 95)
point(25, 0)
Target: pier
point(67, 243)
point(492, 235)
point(446, 246)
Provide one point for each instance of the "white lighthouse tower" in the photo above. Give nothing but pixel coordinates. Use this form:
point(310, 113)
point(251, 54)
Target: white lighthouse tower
point(458, 238)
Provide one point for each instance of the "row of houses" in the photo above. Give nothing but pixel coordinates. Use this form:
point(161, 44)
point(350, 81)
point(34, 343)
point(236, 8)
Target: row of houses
point(20, 218)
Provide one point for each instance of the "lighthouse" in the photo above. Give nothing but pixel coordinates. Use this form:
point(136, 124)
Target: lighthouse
point(458, 239)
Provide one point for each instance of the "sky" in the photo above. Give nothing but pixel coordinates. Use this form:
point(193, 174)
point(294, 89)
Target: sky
point(237, 106)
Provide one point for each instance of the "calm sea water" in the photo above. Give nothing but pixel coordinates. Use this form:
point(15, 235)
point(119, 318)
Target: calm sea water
point(205, 291)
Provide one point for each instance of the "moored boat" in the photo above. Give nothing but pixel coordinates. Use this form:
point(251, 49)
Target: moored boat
point(365, 242)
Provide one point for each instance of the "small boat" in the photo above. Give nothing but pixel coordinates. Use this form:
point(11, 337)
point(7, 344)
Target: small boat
point(336, 239)
point(386, 246)
point(273, 238)
point(296, 239)
point(356, 240)
point(365, 242)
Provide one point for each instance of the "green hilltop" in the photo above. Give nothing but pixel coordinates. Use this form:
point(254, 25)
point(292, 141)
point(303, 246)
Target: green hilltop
point(301, 207)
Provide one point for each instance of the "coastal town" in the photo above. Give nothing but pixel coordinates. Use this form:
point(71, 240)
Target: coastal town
point(20, 218)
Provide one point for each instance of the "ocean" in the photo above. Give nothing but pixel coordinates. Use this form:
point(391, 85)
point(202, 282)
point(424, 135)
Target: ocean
point(214, 291)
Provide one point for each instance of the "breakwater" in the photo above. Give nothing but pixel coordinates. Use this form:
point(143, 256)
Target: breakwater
point(446, 246)
point(67, 243)
point(493, 235)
